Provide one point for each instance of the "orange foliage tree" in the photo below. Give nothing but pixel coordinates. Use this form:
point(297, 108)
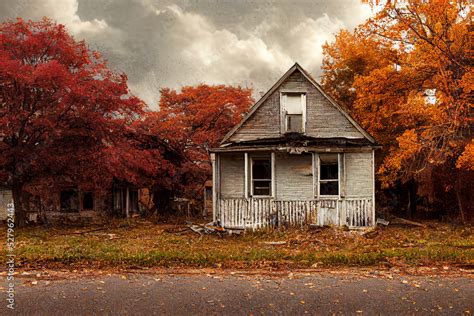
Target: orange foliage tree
point(407, 75)
point(192, 121)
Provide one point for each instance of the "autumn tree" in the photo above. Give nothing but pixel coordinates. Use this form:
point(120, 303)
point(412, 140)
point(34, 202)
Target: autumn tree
point(192, 121)
point(414, 90)
point(351, 55)
point(63, 114)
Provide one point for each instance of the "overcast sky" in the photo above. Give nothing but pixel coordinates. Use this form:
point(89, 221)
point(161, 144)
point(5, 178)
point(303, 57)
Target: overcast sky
point(161, 43)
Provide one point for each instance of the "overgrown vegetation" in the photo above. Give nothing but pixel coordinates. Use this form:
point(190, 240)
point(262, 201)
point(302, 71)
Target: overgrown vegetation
point(143, 244)
point(406, 74)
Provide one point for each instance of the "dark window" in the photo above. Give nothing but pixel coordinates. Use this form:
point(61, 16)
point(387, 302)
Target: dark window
point(329, 175)
point(209, 193)
point(133, 201)
point(294, 123)
point(329, 170)
point(329, 188)
point(118, 199)
point(69, 201)
point(261, 176)
point(88, 201)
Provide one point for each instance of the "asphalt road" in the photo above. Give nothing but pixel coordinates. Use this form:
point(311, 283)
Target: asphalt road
point(234, 294)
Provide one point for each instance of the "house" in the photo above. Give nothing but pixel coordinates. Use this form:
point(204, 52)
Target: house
point(72, 204)
point(121, 199)
point(296, 158)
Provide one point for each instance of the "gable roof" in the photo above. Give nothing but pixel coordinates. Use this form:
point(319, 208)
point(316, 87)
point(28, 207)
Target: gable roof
point(290, 71)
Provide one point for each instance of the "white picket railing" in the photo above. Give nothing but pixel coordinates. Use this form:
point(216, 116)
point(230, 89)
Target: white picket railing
point(256, 213)
point(359, 212)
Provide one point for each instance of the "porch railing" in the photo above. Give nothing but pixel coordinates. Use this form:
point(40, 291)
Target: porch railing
point(258, 213)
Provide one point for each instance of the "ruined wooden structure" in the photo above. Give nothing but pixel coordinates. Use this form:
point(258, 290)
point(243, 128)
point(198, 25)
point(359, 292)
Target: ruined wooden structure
point(70, 204)
point(6, 197)
point(296, 158)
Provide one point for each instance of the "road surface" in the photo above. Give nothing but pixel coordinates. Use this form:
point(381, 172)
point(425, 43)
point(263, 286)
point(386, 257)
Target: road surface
point(243, 294)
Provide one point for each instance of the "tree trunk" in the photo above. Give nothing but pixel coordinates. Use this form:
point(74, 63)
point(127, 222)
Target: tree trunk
point(127, 202)
point(458, 189)
point(412, 196)
point(20, 212)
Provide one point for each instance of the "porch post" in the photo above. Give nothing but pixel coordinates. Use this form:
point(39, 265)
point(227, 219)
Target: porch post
point(314, 171)
point(273, 174)
point(373, 187)
point(342, 189)
point(127, 202)
point(214, 187)
point(246, 175)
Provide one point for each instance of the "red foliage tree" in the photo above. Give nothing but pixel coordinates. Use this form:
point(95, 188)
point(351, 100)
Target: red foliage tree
point(193, 121)
point(63, 113)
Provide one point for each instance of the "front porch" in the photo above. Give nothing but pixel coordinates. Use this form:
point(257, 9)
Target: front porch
point(255, 213)
point(288, 186)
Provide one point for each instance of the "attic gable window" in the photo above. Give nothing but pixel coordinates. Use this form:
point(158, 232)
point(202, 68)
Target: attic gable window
point(293, 106)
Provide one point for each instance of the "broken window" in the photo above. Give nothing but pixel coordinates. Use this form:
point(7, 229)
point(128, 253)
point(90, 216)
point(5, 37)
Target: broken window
point(134, 201)
point(69, 201)
point(328, 175)
point(117, 199)
point(261, 176)
point(294, 105)
point(88, 200)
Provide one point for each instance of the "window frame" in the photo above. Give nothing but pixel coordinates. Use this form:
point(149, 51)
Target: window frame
point(270, 180)
point(283, 110)
point(338, 180)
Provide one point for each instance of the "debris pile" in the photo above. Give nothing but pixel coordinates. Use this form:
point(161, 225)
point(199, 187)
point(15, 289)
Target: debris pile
point(208, 228)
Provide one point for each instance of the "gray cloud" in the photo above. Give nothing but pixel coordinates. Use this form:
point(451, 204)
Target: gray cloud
point(185, 42)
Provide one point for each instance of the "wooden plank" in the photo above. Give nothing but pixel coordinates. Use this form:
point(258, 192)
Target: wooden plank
point(273, 170)
point(373, 189)
point(234, 213)
point(304, 105)
point(127, 202)
point(258, 213)
point(246, 175)
point(241, 208)
point(315, 173)
point(221, 211)
point(214, 197)
point(315, 149)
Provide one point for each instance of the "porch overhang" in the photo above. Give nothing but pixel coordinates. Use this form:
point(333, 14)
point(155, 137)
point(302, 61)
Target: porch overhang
point(301, 143)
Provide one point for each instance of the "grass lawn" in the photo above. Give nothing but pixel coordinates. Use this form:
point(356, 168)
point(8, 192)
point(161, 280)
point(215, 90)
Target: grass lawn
point(137, 243)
